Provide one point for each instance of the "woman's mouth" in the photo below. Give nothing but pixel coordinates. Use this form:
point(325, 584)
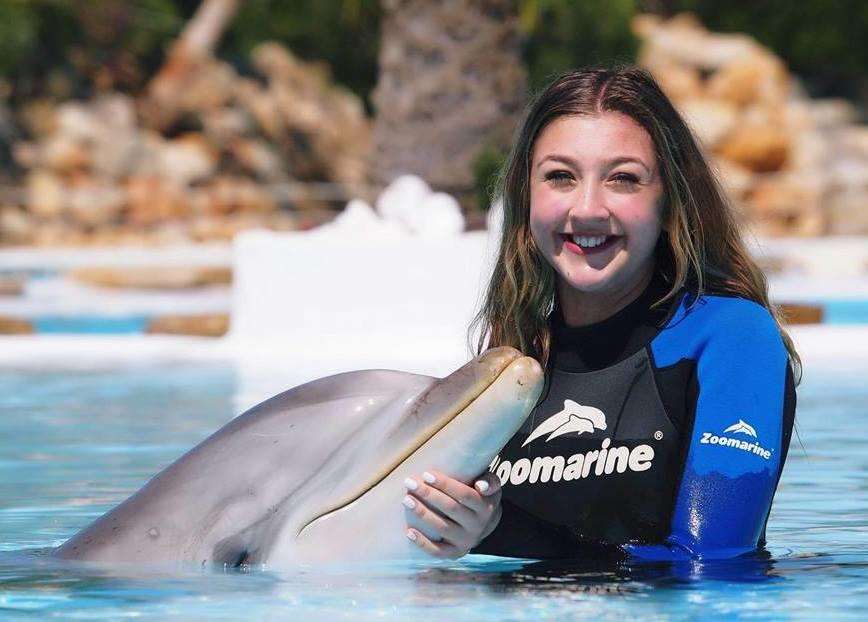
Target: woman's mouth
point(588, 244)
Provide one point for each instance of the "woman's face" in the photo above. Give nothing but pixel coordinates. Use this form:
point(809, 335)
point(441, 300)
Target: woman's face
point(595, 202)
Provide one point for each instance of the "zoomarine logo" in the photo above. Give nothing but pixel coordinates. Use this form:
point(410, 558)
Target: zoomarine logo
point(603, 461)
point(579, 419)
point(740, 427)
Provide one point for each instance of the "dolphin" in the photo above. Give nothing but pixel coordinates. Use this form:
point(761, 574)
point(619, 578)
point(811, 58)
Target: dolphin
point(315, 474)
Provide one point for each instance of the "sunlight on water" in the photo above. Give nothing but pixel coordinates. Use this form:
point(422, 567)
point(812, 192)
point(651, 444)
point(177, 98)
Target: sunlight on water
point(73, 444)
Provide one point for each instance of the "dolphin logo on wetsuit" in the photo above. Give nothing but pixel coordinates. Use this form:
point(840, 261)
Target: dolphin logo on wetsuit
point(573, 418)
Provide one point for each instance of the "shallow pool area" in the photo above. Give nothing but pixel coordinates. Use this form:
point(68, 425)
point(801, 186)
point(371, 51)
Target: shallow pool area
point(73, 443)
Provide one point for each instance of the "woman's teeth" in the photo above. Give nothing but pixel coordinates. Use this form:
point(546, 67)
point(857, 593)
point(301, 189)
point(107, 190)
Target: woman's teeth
point(588, 241)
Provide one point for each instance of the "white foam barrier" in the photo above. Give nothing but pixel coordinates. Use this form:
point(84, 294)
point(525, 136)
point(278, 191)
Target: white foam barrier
point(311, 305)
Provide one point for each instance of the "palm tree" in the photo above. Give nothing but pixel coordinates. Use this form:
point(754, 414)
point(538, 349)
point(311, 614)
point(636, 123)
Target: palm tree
point(451, 84)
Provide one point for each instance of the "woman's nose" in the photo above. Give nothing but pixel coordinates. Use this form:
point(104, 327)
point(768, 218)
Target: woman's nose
point(590, 203)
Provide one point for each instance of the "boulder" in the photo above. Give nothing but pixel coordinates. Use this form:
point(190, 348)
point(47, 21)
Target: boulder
point(174, 277)
point(758, 148)
point(209, 325)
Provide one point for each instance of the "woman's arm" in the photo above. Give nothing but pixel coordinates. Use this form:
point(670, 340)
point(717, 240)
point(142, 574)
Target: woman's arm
point(738, 444)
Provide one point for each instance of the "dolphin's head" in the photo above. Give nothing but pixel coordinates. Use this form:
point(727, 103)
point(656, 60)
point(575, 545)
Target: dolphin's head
point(316, 473)
point(457, 425)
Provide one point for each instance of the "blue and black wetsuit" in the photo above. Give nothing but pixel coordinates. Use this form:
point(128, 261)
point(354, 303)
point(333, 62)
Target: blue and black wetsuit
point(661, 434)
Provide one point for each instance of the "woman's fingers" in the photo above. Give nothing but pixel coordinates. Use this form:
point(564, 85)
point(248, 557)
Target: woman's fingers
point(438, 524)
point(461, 493)
point(445, 550)
point(488, 484)
point(440, 500)
point(459, 514)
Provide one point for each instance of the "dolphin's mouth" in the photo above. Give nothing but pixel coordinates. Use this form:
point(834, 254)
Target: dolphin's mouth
point(490, 370)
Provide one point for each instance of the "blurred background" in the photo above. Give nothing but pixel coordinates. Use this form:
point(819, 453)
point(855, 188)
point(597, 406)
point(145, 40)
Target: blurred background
point(138, 139)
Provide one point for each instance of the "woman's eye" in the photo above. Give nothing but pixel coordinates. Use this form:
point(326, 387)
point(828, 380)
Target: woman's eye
point(559, 178)
point(625, 179)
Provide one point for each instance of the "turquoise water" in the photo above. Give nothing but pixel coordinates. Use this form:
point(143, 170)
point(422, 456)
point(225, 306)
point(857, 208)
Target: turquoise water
point(834, 312)
point(90, 324)
point(73, 444)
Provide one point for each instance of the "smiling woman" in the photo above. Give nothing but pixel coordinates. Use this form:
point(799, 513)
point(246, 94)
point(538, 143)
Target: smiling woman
point(596, 218)
point(622, 270)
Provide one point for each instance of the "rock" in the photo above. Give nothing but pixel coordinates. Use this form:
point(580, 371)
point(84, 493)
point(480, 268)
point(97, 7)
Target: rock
point(759, 148)
point(847, 210)
point(15, 326)
point(830, 113)
point(11, 285)
point(152, 199)
point(323, 126)
point(224, 125)
point(854, 140)
point(795, 313)
point(187, 159)
point(174, 277)
point(58, 233)
point(793, 166)
point(38, 117)
point(679, 82)
point(787, 205)
point(709, 120)
point(211, 325)
point(224, 228)
point(45, 194)
point(736, 180)
point(258, 158)
point(684, 40)
point(97, 169)
point(63, 154)
point(95, 203)
point(231, 194)
point(16, 226)
point(759, 77)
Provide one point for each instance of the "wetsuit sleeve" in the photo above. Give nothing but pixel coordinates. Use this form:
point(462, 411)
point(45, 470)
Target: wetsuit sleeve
point(741, 431)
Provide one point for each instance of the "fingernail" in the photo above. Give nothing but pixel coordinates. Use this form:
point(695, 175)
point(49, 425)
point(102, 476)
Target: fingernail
point(411, 535)
point(428, 477)
point(408, 502)
point(482, 486)
point(411, 483)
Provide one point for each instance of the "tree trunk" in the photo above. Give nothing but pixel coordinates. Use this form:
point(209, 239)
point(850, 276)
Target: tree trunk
point(188, 54)
point(451, 84)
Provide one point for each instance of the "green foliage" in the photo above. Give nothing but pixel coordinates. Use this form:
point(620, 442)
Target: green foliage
point(62, 47)
point(58, 47)
point(564, 34)
point(344, 33)
point(486, 168)
point(18, 35)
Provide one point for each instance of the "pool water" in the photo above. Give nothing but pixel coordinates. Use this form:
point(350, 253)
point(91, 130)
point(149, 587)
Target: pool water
point(75, 443)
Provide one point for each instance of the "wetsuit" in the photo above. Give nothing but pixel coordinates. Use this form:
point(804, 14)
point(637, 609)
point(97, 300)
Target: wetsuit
point(660, 434)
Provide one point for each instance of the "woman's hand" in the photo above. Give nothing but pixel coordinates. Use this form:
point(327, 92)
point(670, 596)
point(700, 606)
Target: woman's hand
point(461, 515)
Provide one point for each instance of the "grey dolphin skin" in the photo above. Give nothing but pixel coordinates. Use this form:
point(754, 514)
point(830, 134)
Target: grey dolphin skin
point(315, 474)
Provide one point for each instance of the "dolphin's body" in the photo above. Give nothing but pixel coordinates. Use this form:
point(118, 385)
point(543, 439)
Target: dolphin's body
point(315, 474)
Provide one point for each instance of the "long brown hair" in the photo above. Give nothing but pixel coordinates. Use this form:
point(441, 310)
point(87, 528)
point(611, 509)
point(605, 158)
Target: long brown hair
point(701, 249)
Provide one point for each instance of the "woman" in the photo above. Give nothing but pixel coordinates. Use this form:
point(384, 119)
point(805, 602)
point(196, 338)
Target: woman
point(669, 399)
